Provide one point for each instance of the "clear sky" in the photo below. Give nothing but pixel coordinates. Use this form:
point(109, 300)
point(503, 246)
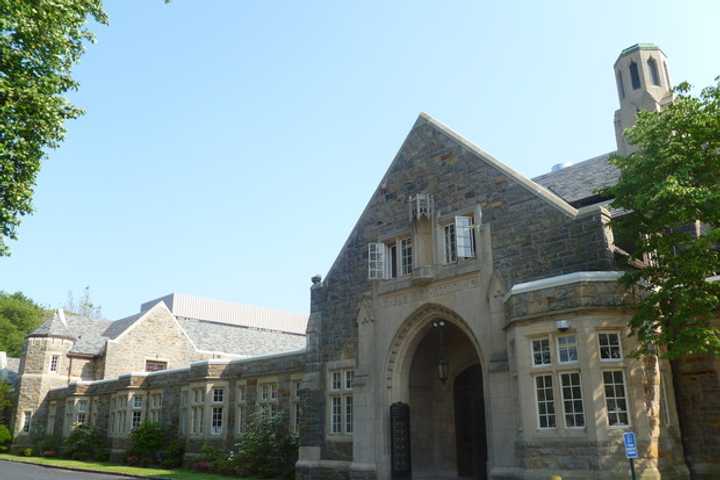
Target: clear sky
point(229, 146)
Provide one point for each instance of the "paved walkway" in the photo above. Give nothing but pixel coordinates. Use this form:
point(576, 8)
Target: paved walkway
point(24, 471)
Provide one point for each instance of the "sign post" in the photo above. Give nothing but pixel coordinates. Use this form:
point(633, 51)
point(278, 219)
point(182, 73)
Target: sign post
point(631, 452)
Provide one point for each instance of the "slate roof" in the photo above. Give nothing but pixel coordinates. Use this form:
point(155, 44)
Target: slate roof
point(578, 183)
point(91, 335)
point(239, 340)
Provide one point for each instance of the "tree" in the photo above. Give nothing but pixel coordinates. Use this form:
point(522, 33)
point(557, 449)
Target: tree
point(671, 187)
point(40, 42)
point(85, 307)
point(19, 316)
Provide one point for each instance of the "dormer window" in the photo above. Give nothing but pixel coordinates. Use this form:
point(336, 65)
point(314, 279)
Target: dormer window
point(459, 239)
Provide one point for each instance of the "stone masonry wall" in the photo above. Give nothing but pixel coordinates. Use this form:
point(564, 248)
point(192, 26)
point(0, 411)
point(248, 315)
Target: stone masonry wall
point(155, 337)
point(531, 238)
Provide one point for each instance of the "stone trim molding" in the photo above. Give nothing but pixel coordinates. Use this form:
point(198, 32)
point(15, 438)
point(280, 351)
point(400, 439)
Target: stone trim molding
point(566, 279)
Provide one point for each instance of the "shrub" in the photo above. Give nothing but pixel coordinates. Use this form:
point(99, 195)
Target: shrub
point(146, 442)
point(84, 443)
point(27, 452)
point(267, 448)
point(151, 444)
point(172, 456)
point(48, 445)
point(5, 437)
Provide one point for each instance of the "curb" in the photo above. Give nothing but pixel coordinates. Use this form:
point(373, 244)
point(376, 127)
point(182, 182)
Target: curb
point(82, 470)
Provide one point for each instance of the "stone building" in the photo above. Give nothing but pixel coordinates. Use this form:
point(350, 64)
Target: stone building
point(471, 326)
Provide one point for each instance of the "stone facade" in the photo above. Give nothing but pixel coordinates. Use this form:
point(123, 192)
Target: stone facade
point(485, 305)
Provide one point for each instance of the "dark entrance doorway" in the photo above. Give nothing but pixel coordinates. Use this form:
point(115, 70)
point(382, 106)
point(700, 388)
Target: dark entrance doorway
point(470, 424)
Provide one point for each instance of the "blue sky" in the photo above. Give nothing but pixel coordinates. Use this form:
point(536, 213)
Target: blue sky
point(228, 147)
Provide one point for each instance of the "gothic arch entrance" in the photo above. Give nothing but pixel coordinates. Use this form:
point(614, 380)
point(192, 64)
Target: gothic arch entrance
point(446, 405)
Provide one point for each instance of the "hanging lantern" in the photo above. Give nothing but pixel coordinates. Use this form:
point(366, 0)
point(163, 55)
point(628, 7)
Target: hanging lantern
point(443, 366)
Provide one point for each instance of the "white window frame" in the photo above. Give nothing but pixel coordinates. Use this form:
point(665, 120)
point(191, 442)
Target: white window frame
point(545, 401)
point(377, 263)
point(218, 392)
point(459, 239)
point(626, 398)
point(340, 395)
point(268, 404)
point(619, 346)
point(532, 352)
point(559, 348)
point(572, 399)
point(406, 256)
point(217, 420)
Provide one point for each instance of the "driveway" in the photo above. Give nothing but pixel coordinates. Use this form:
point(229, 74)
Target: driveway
point(24, 471)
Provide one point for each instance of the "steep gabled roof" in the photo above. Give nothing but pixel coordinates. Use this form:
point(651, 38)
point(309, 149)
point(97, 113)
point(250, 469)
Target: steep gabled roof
point(239, 340)
point(578, 184)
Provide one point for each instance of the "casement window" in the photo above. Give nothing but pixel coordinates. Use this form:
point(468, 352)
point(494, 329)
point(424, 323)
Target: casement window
point(610, 346)
point(545, 399)
point(155, 407)
point(390, 260)
point(459, 239)
point(27, 421)
point(183, 416)
point(241, 409)
point(218, 395)
point(267, 398)
point(54, 362)
point(155, 365)
point(616, 398)
point(137, 413)
point(541, 352)
point(197, 411)
point(376, 261)
point(406, 256)
point(295, 410)
point(216, 423)
point(81, 410)
point(52, 411)
point(567, 349)
point(571, 389)
point(341, 402)
point(136, 419)
point(119, 412)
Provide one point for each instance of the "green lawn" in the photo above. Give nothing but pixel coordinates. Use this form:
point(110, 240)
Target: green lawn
point(175, 474)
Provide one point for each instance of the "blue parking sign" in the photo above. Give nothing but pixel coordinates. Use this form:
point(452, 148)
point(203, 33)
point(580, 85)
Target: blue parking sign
point(630, 445)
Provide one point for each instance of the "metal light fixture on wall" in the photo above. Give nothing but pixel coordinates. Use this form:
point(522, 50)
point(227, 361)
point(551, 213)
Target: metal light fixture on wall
point(443, 366)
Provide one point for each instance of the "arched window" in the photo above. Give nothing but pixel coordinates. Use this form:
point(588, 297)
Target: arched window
point(620, 84)
point(654, 74)
point(634, 76)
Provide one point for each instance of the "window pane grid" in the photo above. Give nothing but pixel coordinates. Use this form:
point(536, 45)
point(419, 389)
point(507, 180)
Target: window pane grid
point(567, 349)
point(572, 400)
point(541, 352)
point(545, 401)
point(615, 398)
point(610, 347)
